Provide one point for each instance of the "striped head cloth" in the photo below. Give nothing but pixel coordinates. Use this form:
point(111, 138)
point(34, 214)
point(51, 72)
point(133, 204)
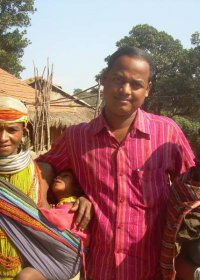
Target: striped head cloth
point(12, 110)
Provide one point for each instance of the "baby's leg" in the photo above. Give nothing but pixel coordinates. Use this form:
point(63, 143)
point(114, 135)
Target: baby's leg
point(29, 273)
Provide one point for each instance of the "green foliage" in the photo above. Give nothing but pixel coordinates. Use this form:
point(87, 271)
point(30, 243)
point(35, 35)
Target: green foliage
point(163, 48)
point(89, 96)
point(77, 90)
point(195, 38)
point(176, 88)
point(190, 127)
point(14, 18)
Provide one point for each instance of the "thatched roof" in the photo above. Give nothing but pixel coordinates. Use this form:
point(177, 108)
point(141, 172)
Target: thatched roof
point(65, 109)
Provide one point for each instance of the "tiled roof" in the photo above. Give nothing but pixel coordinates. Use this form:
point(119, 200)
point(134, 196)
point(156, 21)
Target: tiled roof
point(11, 86)
point(66, 112)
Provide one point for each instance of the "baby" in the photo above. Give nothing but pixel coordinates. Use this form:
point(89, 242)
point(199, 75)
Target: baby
point(66, 192)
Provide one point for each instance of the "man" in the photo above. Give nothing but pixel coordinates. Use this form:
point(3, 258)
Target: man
point(124, 160)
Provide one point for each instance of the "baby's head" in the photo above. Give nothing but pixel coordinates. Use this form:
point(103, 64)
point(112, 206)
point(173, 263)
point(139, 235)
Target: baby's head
point(65, 185)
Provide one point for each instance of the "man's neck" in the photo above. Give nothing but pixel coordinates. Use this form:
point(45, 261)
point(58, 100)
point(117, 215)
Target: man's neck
point(119, 125)
point(119, 122)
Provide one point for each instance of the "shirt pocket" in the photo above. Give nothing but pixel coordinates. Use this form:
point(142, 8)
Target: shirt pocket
point(154, 186)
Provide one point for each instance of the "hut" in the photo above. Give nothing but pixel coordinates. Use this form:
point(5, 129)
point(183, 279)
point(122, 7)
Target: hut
point(65, 109)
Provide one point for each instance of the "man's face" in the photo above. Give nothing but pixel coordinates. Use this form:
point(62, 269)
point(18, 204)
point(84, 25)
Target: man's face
point(126, 85)
point(10, 138)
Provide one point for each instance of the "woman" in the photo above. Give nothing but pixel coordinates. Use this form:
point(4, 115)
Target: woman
point(180, 255)
point(16, 167)
point(36, 244)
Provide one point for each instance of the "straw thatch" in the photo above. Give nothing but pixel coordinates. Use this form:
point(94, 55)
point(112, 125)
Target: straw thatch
point(65, 109)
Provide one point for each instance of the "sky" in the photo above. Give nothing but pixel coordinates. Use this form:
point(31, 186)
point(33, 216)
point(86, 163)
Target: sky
point(75, 36)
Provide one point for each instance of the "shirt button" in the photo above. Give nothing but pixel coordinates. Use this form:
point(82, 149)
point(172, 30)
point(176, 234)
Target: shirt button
point(121, 200)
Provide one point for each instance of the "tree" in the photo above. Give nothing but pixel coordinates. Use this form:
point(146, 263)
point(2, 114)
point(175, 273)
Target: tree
point(176, 84)
point(14, 18)
point(77, 91)
point(190, 128)
point(89, 96)
point(195, 38)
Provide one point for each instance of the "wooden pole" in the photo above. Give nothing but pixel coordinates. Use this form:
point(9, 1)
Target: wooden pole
point(98, 103)
point(41, 126)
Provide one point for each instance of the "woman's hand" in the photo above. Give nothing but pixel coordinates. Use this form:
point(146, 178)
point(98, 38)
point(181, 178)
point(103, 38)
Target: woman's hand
point(184, 268)
point(85, 212)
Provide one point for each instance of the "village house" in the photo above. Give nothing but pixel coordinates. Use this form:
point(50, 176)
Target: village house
point(65, 109)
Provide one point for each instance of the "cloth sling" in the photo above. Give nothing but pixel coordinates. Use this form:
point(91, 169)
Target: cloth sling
point(22, 172)
point(56, 254)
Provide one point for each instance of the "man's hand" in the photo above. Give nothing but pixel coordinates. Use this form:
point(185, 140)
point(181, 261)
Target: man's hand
point(84, 210)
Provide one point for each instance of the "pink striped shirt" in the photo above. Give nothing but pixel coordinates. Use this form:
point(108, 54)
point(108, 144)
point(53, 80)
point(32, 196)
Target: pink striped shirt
point(128, 184)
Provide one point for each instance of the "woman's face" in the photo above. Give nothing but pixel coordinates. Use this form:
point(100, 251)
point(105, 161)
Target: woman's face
point(10, 138)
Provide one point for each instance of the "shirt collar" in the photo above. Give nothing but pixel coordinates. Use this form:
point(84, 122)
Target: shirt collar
point(142, 123)
point(98, 124)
